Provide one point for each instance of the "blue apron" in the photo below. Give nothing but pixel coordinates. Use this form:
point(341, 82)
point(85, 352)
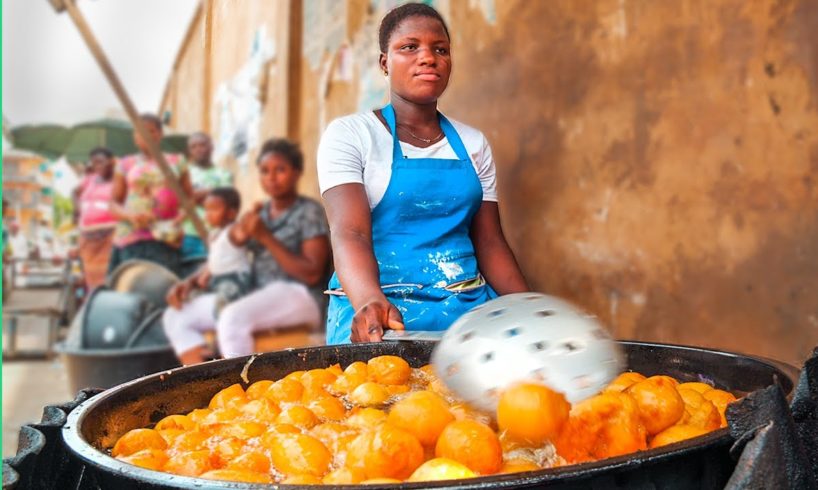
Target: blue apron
point(420, 237)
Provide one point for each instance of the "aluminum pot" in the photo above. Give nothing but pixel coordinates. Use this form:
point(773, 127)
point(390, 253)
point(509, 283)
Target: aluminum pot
point(703, 462)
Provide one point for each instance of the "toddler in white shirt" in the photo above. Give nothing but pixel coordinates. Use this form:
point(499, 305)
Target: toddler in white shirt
point(228, 265)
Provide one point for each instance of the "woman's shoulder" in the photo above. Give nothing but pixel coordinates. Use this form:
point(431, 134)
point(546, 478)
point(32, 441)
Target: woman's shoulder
point(360, 123)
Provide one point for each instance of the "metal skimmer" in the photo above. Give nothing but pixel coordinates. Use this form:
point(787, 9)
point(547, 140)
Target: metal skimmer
point(526, 336)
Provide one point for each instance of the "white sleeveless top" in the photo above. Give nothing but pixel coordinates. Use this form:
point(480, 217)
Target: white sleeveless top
point(224, 257)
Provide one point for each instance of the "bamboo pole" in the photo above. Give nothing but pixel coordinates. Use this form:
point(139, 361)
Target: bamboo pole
point(207, 65)
point(153, 146)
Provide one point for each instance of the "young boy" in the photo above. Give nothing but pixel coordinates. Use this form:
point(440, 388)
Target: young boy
point(227, 272)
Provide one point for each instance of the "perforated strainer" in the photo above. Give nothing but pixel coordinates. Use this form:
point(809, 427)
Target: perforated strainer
point(526, 336)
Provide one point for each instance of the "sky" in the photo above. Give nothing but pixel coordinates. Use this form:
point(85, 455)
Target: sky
point(50, 76)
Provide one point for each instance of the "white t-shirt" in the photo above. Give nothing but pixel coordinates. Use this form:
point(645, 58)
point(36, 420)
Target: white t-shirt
point(224, 257)
point(358, 149)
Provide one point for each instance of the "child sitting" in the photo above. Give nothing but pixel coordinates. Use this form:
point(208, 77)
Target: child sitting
point(227, 272)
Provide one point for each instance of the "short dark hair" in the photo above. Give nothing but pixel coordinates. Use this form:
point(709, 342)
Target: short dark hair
point(229, 195)
point(394, 17)
point(151, 118)
point(101, 150)
point(284, 147)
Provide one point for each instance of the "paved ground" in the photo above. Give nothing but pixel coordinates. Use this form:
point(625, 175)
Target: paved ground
point(30, 385)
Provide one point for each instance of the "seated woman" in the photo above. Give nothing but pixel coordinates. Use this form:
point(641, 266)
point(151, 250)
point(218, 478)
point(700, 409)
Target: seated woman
point(289, 239)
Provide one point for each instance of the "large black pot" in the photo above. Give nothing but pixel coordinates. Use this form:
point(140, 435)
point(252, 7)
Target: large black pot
point(702, 462)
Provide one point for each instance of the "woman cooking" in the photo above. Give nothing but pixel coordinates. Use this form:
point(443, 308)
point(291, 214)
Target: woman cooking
point(411, 198)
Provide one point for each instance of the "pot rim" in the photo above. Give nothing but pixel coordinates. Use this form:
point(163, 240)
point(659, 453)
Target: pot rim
point(100, 460)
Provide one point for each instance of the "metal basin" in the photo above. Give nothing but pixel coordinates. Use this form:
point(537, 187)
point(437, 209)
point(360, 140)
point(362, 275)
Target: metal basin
point(702, 462)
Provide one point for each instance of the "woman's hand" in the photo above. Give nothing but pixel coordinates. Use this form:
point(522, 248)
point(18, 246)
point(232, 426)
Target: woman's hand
point(251, 223)
point(372, 318)
point(202, 280)
point(179, 293)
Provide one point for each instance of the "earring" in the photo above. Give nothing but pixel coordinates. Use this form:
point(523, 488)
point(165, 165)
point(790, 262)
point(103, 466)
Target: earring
point(385, 73)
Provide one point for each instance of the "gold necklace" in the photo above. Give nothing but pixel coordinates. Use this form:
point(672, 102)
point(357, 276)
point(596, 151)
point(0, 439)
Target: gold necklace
point(413, 135)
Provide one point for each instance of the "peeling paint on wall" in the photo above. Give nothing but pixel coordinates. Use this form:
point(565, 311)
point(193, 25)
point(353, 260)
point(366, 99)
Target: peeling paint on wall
point(326, 23)
point(487, 8)
point(239, 105)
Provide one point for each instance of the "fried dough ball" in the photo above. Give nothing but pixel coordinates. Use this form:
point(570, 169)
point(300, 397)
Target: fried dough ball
point(284, 429)
point(600, 427)
point(257, 389)
point(344, 476)
point(260, 410)
point(152, 459)
point(298, 416)
point(441, 469)
point(295, 376)
point(198, 415)
point(191, 441)
point(170, 435)
point(266, 439)
point(675, 434)
point(701, 388)
point(301, 480)
point(385, 452)
point(720, 399)
point(136, 440)
point(389, 370)
point(240, 429)
point(328, 408)
point(660, 405)
point(220, 416)
point(366, 418)
point(357, 369)
point(532, 413)
point(397, 389)
point(229, 397)
point(623, 381)
point(224, 449)
point(335, 369)
point(237, 475)
point(345, 384)
point(369, 394)
point(473, 444)
point(699, 411)
point(254, 461)
point(422, 413)
point(287, 390)
point(300, 454)
point(178, 422)
point(336, 437)
point(192, 463)
point(518, 466)
point(316, 379)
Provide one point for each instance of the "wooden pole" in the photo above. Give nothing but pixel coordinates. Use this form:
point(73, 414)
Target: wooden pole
point(153, 146)
point(207, 66)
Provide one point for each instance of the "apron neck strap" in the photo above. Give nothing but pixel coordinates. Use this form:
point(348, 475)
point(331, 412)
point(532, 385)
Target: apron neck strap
point(388, 113)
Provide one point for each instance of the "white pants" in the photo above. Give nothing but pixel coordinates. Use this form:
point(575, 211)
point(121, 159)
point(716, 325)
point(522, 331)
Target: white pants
point(280, 304)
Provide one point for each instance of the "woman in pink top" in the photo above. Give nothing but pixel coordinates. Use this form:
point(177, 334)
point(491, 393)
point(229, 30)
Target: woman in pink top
point(146, 207)
point(96, 223)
